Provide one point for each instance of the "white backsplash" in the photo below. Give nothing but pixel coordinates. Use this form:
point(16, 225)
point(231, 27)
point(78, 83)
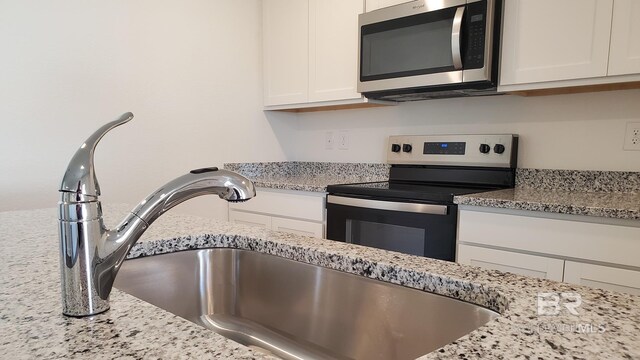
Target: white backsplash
point(580, 131)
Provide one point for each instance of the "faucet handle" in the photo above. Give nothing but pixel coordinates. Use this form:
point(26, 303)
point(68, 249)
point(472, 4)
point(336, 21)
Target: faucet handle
point(80, 176)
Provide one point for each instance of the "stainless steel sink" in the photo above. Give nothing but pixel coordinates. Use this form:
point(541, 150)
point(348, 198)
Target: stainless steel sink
point(296, 310)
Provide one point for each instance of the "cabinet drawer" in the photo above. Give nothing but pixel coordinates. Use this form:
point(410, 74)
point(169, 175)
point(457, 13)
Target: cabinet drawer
point(614, 244)
point(250, 219)
point(298, 227)
point(521, 264)
point(306, 206)
point(603, 277)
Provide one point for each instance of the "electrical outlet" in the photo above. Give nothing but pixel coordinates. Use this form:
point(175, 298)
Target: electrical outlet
point(632, 136)
point(343, 140)
point(328, 140)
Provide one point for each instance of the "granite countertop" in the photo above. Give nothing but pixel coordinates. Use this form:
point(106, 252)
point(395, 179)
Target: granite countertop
point(607, 325)
point(309, 176)
point(608, 194)
point(601, 204)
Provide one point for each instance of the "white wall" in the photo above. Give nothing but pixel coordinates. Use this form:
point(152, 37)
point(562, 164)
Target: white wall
point(580, 131)
point(190, 71)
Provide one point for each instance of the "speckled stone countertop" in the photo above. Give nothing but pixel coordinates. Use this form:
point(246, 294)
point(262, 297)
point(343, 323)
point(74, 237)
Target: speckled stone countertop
point(607, 194)
point(309, 176)
point(607, 325)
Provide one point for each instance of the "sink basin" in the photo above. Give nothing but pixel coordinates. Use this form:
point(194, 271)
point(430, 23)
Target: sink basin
point(296, 310)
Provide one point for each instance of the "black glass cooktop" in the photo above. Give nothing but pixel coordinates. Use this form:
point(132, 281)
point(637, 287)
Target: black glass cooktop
point(386, 190)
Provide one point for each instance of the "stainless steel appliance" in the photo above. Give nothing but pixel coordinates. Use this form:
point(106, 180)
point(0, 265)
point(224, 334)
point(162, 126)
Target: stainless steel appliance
point(414, 212)
point(430, 48)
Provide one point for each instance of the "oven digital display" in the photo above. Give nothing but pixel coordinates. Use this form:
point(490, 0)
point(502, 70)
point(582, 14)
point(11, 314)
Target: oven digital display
point(444, 148)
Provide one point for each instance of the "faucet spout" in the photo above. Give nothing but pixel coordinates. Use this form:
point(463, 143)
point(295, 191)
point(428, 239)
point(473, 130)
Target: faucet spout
point(91, 254)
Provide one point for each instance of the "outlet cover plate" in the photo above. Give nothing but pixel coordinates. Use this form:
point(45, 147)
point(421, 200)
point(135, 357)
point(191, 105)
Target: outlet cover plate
point(632, 136)
point(328, 140)
point(343, 140)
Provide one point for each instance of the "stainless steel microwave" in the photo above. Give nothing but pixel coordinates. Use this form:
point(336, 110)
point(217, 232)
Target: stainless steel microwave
point(428, 49)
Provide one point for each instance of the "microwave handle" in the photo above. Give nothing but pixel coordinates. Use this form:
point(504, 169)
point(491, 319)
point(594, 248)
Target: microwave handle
point(455, 38)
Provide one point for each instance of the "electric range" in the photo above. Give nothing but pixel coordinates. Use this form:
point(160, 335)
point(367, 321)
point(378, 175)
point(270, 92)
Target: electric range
point(414, 211)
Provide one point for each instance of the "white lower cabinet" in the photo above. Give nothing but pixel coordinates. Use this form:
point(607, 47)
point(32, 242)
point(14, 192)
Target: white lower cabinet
point(521, 264)
point(299, 227)
point(296, 212)
point(602, 277)
point(250, 219)
point(552, 246)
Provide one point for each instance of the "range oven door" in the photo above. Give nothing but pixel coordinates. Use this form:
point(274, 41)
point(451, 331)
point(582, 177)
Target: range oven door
point(412, 228)
point(426, 43)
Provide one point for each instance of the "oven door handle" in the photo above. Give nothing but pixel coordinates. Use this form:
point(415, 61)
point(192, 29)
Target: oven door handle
point(388, 205)
point(456, 30)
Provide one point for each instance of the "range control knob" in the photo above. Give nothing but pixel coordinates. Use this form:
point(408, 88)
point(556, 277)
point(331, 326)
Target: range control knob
point(407, 147)
point(395, 148)
point(498, 149)
point(484, 148)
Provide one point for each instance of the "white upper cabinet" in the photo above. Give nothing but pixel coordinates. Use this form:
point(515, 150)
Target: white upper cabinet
point(625, 38)
point(550, 40)
point(310, 53)
point(333, 49)
point(371, 5)
point(285, 51)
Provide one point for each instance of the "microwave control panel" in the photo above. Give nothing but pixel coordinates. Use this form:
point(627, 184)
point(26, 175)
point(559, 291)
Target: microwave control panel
point(455, 150)
point(476, 28)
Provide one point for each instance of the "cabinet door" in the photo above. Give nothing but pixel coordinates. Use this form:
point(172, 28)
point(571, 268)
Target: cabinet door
point(548, 40)
point(285, 51)
point(529, 233)
point(378, 4)
point(333, 49)
point(521, 264)
point(603, 277)
point(298, 227)
point(624, 56)
point(250, 219)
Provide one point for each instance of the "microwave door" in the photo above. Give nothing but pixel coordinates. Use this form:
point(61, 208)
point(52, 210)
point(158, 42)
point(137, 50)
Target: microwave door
point(411, 51)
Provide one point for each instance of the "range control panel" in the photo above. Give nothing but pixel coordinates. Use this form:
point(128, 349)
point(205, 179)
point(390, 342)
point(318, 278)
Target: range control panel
point(455, 150)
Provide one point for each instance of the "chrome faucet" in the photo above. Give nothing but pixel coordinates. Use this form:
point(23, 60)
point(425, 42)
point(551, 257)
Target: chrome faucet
point(91, 254)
